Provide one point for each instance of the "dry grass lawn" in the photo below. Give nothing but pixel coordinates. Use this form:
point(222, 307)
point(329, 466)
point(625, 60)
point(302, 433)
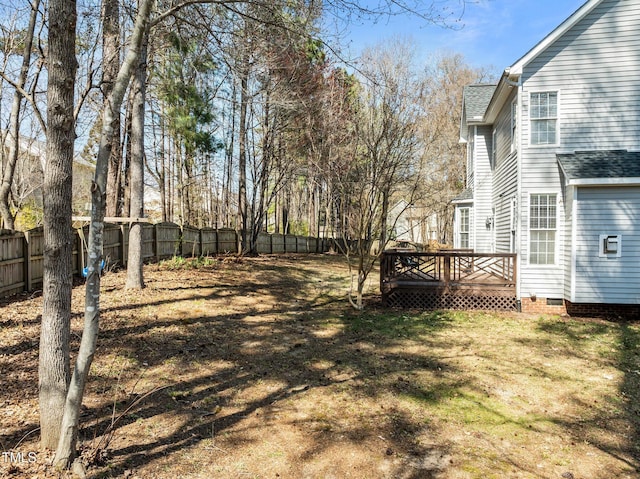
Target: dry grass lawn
point(259, 368)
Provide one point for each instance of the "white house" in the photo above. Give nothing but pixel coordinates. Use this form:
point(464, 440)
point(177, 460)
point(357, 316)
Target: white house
point(554, 164)
point(412, 223)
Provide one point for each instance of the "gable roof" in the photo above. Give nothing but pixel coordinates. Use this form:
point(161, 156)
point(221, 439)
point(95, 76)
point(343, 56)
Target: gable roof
point(600, 167)
point(575, 17)
point(511, 76)
point(476, 99)
point(465, 197)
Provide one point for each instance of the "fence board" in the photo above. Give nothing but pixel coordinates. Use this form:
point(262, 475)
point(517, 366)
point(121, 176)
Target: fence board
point(35, 257)
point(167, 240)
point(190, 241)
point(148, 241)
point(302, 245)
point(313, 244)
point(22, 254)
point(112, 244)
point(12, 270)
point(290, 244)
point(227, 241)
point(277, 243)
point(208, 241)
point(264, 243)
point(124, 236)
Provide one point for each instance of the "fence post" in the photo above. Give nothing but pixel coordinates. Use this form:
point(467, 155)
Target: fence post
point(79, 253)
point(156, 247)
point(123, 250)
point(28, 274)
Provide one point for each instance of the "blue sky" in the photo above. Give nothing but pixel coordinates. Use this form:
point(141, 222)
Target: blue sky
point(493, 33)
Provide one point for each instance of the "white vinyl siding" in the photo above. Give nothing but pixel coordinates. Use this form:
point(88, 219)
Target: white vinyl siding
point(494, 148)
point(482, 186)
point(514, 125)
point(594, 68)
point(569, 228)
point(470, 156)
point(505, 184)
point(503, 129)
point(609, 279)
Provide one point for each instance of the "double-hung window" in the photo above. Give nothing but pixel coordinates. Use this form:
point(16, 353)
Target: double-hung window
point(464, 227)
point(543, 113)
point(542, 229)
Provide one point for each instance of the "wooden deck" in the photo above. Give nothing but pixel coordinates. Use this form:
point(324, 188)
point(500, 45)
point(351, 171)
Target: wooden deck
point(448, 280)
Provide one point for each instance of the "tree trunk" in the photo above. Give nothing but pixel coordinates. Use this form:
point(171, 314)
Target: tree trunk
point(125, 179)
point(242, 145)
point(53, 371)
point(226, 187)
point(14, 123)
point(65, 451)
point(135, 278)
point(110, 67)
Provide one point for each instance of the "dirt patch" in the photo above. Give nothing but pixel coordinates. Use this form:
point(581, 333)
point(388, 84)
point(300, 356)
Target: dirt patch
point(259, 368)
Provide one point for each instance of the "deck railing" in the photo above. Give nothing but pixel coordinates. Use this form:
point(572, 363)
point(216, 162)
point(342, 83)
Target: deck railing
point(446, 273)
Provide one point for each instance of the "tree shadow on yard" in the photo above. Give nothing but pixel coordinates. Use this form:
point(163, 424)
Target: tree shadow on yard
point(228, 376)
point(630, 386)
point(613, 422)
point(264, 369)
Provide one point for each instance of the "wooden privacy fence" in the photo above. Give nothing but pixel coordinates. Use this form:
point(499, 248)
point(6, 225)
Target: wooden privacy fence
point(22, 253)
point(448, 280)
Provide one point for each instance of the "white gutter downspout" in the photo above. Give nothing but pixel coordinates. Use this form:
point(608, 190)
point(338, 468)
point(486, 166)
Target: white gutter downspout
point(518, 239)
point(574, 234)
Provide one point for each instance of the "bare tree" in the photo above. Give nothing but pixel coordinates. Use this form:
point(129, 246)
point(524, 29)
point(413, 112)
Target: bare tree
point(110, 66)
point(443, 157)
point(387, 160)
point(135, 278)
point(65, 450)
point(14, 127)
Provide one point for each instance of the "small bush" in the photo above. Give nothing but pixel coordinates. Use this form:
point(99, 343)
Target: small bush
point(179, 262)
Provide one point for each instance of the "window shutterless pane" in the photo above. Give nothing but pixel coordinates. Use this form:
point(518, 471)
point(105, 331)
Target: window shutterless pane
point(543, 112)
point(542, 226)
point(553, 104)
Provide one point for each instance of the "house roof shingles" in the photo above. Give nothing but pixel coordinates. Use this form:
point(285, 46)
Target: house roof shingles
point(476, 100)
point(466, 195)
point(600, 164)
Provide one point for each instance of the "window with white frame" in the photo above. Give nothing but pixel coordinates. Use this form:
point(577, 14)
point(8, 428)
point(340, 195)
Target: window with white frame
point(464, 227)
point(542, 229)
point(543, 113)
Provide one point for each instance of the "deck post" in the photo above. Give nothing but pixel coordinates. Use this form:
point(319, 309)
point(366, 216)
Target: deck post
point(447, 271)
